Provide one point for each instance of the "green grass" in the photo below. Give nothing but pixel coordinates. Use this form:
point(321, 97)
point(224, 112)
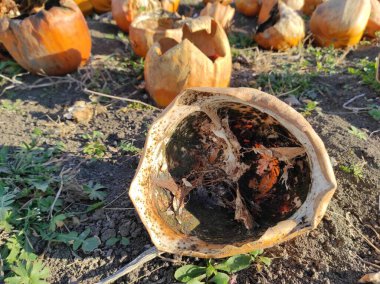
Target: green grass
point(32, 209)
point(365, 69)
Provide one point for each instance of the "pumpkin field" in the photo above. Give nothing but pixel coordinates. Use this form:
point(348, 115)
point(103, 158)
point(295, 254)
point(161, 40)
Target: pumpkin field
point(189, 141)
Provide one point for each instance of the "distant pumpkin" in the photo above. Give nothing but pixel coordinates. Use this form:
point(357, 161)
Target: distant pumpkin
point(54, 41)
point(148, 28)
point(101, 6)
point(310, 5)
point(223, 14)
point(85, 6)
point(170, 5)
point(279, 27)
point(248, 7)
point(125, 11)
point(340, 23)
point(373, 25)
point(202, 58)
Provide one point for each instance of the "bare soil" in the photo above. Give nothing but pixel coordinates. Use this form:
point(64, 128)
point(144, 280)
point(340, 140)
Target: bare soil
point(333, 253)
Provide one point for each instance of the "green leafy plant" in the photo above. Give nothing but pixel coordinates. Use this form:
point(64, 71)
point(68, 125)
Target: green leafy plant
point(240, 40)
point(375, 112)
point(366, 70)
point(94, 191)
point(129, 147)
point(114, 240)
point(94, 147)
point(358, 133)
point(10, 68)
point(9, 105)
point(31, 211)
point(309, 108)
point(355, 169)
point(218, 273)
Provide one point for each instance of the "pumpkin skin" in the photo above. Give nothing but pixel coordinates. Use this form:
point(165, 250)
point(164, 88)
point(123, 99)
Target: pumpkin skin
point(145, 195)
point(85, 6)
point(170, 5)
point(101, 6)
point(202, 58)
point(373, 24)
point(248, 8)
point(53, 42)
point(223, 14)
point(148, 28)
point(310, 5)
point(125, 11)
point(287, 32)
point(340, 23)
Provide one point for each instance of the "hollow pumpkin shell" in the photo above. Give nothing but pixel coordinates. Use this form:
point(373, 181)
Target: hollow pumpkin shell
point(248, 8)
point(153, 203)
point(125, 11)
point(223, 14)
point(373, 25)
point(340, 23)
point(148, 28)
point(202, 58)
point(288, 31)
point(53, 42)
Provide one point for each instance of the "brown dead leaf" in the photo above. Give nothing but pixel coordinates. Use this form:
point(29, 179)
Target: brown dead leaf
point(371, 278)
point(241, 212)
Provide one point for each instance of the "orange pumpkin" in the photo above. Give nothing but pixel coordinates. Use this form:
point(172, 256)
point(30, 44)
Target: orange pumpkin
point(280, 27)
point(202, 58)
point(148, 28)
point(101, 6)
point(223, 14)
point(340, 23)
point(125, 11)
point(55, 41)
point(85, 6)
point(373, 25)
point(310, 5)
point(248, 7)
point(170, 5)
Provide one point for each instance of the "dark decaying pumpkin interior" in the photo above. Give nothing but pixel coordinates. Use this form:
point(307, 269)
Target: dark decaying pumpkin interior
point(269, 188)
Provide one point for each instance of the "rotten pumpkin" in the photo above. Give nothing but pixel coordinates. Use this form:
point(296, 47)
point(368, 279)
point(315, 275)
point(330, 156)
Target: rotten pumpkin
point(53, 41)
point(279, 26)
point(148, 28)
point(226, 171)
point(201, 58)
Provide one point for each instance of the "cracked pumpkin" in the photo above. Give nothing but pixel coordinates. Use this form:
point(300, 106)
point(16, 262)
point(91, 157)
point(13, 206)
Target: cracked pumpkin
point(54, 41)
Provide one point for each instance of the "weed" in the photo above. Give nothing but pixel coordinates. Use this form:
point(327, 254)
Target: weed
point(355, 169)
point(10, 68)
point(94, 147)
point(375, 112)
point(366, 70)
point(138, 106)
point(240, 40)
point(325, 60)
point(129, 147)
point(31, 212)
point(10, 106)
point(358, 133)
point(309, 108)
point(94, 191)
point(218, 273)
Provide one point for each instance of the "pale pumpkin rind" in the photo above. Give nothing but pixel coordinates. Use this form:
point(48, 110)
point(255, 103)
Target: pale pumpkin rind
point(142, 190)
point(202, 58)
point(373, 25)
point(340, 23)
point(223, 14)
point(125, 11)
point(53, 42)
point(148, 28)
point(288, 32)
